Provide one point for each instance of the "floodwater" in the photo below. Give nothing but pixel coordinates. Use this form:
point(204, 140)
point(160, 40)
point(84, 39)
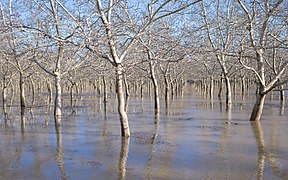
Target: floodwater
point(193, 138)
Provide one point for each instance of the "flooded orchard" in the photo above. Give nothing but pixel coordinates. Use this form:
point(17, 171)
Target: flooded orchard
point(192, 137)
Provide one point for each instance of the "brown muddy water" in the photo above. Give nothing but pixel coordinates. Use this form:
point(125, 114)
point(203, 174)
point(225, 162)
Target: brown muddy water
point(193, 138)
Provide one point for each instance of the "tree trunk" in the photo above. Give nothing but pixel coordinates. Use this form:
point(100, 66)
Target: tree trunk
point(258, 108)
point(58, 93)
point(141, 89)
point(49, 88)
point(33, 91)
point(155, 87)
point(125, 132)
point(220, 87)
point(127, 90)
point(4, 94)
point(72, 96)
point(172, 90)
point(22, 91)
point(104, 90)
point(211, 87)
point(243, 87)
point(282, 94)
point(99, 86)
point(228, 91)
point(167, 89)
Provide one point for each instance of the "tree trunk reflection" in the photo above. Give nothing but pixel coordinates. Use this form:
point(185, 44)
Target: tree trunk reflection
point(60, 151)
point(123, 157)
point(153, 141)
point(259, 136)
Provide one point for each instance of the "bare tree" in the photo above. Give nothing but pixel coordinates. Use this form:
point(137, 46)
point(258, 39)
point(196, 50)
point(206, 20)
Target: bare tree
point(53, 29)
point(259, 17)
point(17, 51)
point(123, 28)
point(220, 33)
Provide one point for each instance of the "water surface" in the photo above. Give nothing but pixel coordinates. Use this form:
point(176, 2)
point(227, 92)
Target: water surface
point(193, 138)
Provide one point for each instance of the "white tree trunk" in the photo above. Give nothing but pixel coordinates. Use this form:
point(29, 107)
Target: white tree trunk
point(228, 91)
point(155, 87)
point(125, 131)
point(258, 108)
point(58, 94)
point(22, 91)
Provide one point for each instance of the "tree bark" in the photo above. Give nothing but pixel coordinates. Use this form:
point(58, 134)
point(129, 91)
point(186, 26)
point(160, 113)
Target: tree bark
point(155, 87)
point(211, 87)
point(228, 91)
point(33, 91)
point(4, 94)
point(282, 94)
point(22, 91)
point(58, 93)
point(127, 90)
point(220, 87)
point(125, 132)
point(49, 88)
point(104, 90)
point(243, 85)
point(167, 88)
point(258, 108)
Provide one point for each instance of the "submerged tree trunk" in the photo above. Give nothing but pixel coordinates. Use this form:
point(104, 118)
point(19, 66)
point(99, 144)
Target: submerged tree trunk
point(125, 131)
point(282, 94)
point(258, 108)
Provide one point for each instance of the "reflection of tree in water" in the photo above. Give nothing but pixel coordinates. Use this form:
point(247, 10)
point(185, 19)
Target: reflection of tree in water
point(282, 107)
point(153, 140)
point(60, 151)
point(123, 157)
point(264, 155)
point(161, 154)
point(221, 160)
point(259, 136)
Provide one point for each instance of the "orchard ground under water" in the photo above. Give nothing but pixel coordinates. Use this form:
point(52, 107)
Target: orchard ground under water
point(192, 137)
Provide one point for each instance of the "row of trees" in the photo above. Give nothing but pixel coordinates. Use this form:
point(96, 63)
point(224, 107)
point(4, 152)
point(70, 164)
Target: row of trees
point(72, 42)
